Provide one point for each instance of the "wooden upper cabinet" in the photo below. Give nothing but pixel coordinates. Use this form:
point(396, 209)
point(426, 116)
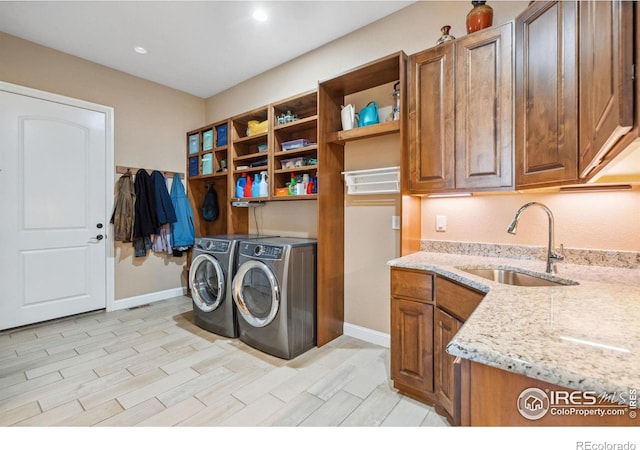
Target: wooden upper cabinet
point(546, 93)
point(431, 119)
point(606, 78)
point(484, 109)
point(461, 114)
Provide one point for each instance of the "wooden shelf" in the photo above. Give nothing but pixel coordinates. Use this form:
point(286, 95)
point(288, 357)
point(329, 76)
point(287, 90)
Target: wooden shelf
point(381, 71)
point(211, 176)
point(251, 139)
point(294, 197)
point(250, 156)
point(251, 170)
point(297, 151)
point(379, 129)
point(301, 124)
point(296, 169)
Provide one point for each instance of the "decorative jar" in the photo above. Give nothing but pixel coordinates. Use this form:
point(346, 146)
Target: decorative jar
point(481, 16)
point(445, 35)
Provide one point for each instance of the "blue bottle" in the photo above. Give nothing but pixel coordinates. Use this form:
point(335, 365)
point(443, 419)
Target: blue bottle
point(240, 184)
point(255, 187)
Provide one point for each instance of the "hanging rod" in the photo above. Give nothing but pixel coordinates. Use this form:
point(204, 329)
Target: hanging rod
point(124, 169)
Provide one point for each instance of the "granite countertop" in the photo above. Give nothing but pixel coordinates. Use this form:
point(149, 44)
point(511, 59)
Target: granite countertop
point(584, 337)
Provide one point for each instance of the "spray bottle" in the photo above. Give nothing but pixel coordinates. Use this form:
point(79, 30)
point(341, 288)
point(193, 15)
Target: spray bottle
point(264, 187)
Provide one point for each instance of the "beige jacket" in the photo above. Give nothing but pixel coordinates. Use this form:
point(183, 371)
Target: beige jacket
point(123, 209)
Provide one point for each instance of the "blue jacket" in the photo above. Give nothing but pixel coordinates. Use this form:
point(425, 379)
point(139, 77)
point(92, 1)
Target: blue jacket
point(183, 230)
point(164, 206)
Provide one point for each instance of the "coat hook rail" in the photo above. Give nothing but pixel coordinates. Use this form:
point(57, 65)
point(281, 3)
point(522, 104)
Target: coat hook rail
point(124, 169)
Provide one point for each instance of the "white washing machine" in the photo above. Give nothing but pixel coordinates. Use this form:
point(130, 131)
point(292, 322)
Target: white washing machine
point(274, 289)
point(210, 276)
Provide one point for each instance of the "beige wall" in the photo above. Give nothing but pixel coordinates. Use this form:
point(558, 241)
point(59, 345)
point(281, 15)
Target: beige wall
point(594, 220)
point(150, 125)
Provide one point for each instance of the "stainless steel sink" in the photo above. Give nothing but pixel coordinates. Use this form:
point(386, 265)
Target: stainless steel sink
point(515, 277)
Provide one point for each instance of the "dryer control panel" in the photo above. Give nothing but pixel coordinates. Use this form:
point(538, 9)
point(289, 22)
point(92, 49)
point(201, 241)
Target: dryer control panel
point(261, 251)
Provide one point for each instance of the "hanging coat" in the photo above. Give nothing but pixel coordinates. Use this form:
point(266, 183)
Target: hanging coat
point(183, 230)
point(123, 209)
point(164, 207)
point(146, 219)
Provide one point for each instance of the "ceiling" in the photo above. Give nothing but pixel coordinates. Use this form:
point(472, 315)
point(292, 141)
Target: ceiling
point(199, 47)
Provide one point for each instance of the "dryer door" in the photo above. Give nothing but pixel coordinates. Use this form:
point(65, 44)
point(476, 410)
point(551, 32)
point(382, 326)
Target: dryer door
point(256, 293)
point(206, 280)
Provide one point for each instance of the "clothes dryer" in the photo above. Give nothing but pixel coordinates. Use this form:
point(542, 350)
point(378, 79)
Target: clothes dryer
point(274, 289)
point(210, 275)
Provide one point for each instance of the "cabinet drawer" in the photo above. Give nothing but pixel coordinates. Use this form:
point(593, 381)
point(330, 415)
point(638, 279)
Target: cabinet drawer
point(456, 299)
point(414, 284)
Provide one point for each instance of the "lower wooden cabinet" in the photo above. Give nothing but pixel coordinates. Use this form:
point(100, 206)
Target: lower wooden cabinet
point(412, 333)
point(446, 327)
point(426, 313)
point(412, 347)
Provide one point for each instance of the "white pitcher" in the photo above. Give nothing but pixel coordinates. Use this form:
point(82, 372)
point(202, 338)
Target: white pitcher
point(348, 116)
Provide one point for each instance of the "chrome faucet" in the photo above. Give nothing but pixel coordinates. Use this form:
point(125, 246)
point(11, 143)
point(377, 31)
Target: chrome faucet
point(551, 253)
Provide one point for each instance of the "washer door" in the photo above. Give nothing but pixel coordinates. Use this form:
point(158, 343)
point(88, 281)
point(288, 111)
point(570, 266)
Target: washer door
point(256, 293)
point(206, 280)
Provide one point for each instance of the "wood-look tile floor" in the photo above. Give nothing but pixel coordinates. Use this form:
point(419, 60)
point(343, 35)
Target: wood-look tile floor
point(151, 366)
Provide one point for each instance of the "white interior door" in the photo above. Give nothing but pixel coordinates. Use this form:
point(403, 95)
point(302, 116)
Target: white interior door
point(53, 221)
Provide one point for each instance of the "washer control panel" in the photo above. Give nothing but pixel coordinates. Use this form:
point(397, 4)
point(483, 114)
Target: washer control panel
point(213, 245)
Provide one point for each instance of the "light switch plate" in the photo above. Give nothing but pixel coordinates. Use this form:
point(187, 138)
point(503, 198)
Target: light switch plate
point(395, 222)
point(441, 223)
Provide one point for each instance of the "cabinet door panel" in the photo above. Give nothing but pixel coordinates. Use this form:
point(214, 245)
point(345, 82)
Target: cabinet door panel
point(606, 78)
point(484, 111)
point(546, 94)
point(412, 344)
point(431, 120)
point(445, 328)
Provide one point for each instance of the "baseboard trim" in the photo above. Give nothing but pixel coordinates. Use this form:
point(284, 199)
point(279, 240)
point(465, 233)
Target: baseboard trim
point(138, 300)
point(367, 334)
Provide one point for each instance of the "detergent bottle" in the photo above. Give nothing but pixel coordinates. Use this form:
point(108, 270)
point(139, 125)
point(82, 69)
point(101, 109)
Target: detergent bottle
point(240, 184)
point(264, 186)
point(292, 184)
point(247, 187)
point(255, 187)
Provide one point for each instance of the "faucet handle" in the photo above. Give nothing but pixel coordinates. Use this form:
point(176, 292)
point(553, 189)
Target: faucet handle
point(558, 256)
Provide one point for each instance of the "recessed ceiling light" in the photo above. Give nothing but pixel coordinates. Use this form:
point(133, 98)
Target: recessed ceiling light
point(260, 15)
point(141, 50)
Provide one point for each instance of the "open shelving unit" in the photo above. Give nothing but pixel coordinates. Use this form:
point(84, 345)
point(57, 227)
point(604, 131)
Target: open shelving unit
point(318, 122)
point(303, 127)
point(331, 145)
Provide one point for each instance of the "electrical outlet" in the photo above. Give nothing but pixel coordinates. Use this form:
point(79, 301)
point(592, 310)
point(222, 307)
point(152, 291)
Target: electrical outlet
point(441, 223)
point(395, 222)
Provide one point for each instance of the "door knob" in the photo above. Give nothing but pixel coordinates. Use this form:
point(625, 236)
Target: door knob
point(99, 237)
